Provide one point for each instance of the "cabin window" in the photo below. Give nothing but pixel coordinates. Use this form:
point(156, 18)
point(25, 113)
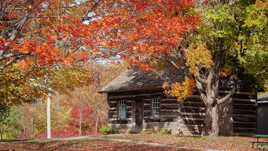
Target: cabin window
point(122, 110)
point(156, 107)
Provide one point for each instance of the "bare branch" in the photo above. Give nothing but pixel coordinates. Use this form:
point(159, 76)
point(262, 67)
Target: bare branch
point(200, 88)
point(226, 97)
point(200, 79)
point(174, 64)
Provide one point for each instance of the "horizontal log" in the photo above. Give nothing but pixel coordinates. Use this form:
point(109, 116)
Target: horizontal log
point(150, 119)
point(169, 110)
point(244, 119)
point(193, 102)
point(147, 107)
point(147, 115)
point(169, 116)
point(241, 122)
point(147, 104)
point(167, 119)
point(244, 107)
point(169, 106)
point(244, 100)
point(193, 110)
point(116, 116)
point(116, 112)
point(193, 119)
point(193, 122)
point(131, 96)
point(244, 128)
point(147, 99)
point(196, 125)
point(245, 115)
point(116, 119)
point(193, 107)
point(193, 114)
point(245, 111)
point(174, 101)
point(239, 92)
point(244, 125)
point(244, 104)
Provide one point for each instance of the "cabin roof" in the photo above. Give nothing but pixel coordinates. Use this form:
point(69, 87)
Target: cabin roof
point(132, 80)
point(137, 80)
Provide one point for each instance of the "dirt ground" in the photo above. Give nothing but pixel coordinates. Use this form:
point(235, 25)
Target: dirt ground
point(134, 142)
point(203, 143)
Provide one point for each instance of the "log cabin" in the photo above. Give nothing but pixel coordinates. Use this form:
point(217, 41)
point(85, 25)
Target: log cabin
point(137, 103)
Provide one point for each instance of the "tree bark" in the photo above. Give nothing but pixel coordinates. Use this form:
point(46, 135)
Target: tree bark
point(96, 124)
point(80, 120)
point(216, 106)
point(212, 127)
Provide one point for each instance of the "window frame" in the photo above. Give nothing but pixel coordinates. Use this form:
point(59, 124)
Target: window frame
point(155, 107)
point(122, 110)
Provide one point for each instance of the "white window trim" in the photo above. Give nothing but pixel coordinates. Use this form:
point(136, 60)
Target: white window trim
point(122, 110)
point(156, 108)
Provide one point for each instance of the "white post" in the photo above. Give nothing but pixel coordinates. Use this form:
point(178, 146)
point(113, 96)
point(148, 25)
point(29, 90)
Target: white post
point(48, 116)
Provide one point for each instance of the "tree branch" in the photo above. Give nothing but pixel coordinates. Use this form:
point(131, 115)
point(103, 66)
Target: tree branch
point(200, 88)
point(200, 79)
point(226, 97)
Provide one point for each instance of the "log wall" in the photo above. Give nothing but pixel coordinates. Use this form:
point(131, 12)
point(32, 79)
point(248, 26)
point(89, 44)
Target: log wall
point(113, 112)
point(186, 117)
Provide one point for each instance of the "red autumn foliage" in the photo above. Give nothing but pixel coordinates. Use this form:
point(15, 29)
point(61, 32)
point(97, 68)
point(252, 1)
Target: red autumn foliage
point(34, 28)
point(71, 129)
point(2, 44)
point(144, 29)
point(132, 28)
point(87, 116)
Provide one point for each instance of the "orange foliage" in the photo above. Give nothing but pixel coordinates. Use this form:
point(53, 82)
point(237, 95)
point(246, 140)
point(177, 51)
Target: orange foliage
point(142, 29)
point(132, 28)
point(47, 24)
point(180, 90)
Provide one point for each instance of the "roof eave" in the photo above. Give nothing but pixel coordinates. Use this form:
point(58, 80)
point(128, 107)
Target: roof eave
point(131, 90)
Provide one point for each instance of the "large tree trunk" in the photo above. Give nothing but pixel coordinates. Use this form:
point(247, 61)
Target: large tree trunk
point(218, 118)
point(212, 127)
point(218, 110)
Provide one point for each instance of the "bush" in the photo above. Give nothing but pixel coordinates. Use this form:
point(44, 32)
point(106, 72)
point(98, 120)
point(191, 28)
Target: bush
point(107, 130)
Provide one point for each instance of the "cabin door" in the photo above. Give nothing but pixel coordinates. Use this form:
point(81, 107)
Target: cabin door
point(139, 114)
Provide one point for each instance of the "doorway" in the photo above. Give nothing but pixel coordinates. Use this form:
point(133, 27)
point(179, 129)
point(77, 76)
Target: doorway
point(139, 114)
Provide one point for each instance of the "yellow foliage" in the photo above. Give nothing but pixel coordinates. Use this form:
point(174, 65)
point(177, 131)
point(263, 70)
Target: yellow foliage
point(198, 57)
point(180, 90)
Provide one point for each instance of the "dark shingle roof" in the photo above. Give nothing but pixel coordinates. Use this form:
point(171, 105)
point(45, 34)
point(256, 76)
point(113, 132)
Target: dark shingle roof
point(134, 79)
point(131, 80)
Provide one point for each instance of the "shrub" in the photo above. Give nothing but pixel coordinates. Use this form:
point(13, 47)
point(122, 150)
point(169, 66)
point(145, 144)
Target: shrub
point(107, 130)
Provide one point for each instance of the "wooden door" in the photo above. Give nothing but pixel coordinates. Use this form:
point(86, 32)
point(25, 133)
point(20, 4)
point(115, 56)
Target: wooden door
point(139, 114)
